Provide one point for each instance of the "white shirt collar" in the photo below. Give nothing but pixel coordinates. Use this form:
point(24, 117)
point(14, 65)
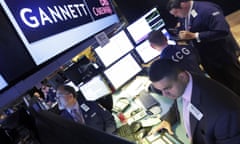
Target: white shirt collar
point(187, 95)
point(191, 7)
point(75, 106)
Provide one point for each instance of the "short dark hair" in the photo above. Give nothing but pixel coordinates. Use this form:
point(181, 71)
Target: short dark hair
point(68, 89)
point(163, 68)
point(157, 37)
point(175, 4)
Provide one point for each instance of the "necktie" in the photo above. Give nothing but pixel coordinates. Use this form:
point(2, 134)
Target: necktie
point(184, 115)
point(187, 23)
point(77, 116)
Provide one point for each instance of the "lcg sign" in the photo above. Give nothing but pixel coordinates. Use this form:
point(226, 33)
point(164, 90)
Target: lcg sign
point(39, 19)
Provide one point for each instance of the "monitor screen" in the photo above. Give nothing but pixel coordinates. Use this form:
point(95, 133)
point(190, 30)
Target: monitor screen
point(118, 46)
point(146, 52)
point(122, 71)
point(95, 88)
point(70, 83)
point(145, 24)
point(168, 36)
point(3, 83)
point(54, 129)
point(49, 28)
point(15, 61)
point(73, 74)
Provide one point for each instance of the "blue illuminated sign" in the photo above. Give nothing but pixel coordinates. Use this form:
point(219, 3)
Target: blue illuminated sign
point(39, 19)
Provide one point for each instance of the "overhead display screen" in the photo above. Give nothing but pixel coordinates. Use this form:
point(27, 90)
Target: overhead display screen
point(15, 61)
point(118, 46)
point(50, 27)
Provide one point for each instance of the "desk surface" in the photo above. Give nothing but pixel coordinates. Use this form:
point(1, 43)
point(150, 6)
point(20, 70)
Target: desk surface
point(130, 91)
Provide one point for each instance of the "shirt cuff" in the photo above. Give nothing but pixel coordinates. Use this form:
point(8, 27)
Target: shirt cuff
point(197, 37)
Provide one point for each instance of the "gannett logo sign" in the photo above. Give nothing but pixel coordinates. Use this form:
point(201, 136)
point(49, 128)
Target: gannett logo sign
point(39, 19)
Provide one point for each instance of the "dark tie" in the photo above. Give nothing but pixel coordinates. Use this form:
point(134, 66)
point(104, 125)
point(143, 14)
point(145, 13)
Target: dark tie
point(77, 116)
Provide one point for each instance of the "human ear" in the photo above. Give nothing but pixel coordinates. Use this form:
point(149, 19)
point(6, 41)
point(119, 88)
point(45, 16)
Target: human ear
point(182, 76)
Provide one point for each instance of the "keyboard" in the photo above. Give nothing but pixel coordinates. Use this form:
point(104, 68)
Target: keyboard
point(125, 131)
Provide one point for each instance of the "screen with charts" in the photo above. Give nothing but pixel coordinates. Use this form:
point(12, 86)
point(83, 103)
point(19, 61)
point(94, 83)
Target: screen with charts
point(146, 52)
point(145, 24)
point(122, 71)
point(118, 46)
point(3, 83)
point(95, 88)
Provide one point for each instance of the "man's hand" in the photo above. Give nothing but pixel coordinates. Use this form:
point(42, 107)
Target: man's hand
point(187, 35)
point(164, 124)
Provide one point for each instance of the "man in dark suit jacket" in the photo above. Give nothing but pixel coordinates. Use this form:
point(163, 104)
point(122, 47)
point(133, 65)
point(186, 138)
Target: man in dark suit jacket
point(87, 112)
point(210, 112)
point(204, 24)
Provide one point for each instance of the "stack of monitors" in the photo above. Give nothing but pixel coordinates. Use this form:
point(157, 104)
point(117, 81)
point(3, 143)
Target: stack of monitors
point(118, 46)
point(140, 29)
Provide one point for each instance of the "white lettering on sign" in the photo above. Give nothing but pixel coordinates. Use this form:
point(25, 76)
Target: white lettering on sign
point(52, 15)
point(179, 55)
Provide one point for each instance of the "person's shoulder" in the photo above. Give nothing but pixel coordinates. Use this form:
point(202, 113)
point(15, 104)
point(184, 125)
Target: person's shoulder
point(64, 113)
point(206, 7)
point(167, 51)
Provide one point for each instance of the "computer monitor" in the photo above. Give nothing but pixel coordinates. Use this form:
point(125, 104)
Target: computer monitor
point(95, 88)
point(146, 52)
point(118, 46)
point(3, 83)
point(70, 83)
point(52, 129)
point(73, 74)
point(170, 38)
point(122, 71)
point(145, 24)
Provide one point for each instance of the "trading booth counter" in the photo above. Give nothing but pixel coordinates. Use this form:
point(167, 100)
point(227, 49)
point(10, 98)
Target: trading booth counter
point(136, 111)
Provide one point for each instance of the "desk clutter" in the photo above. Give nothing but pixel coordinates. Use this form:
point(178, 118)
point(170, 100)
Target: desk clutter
point(138, 110)
point(136, 133)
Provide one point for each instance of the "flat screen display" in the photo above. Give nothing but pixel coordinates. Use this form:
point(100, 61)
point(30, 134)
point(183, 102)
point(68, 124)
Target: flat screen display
point(168, 36)
point(122, 71)
point(70, 83)
point(3, 83)
point(95, 88)
point(15, 61)
point(145, 24)
point(48, 28)
point(146, 52)
point(73, 73)
point(117, 47)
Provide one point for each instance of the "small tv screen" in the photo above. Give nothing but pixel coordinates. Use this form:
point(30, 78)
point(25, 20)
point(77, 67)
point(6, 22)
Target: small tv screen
point(140, 29)
point(118, 46)
point(122, 71)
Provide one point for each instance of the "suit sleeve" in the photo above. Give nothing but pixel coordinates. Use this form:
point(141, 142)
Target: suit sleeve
point(172, 116)
point(216, 25)
point(108, 119)
point(227, 128)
